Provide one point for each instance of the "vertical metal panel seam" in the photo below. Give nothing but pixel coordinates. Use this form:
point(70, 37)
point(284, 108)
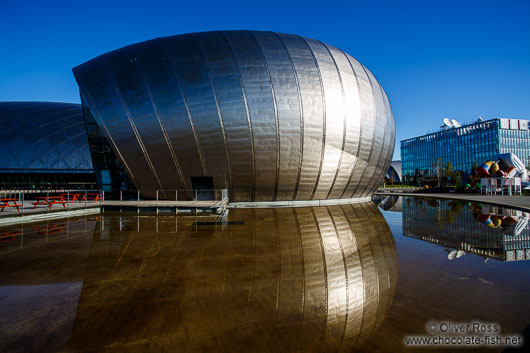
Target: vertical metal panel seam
point(275, 104)
point(162, 127)
point(375, 127)
point(188, 112)
point(393, 122)
point(373, 257)
point(228, 261)
point(363, 277)
point(279, 263)
point(225, 142)
point(131, 122)
point(344, 120)
point(249, 120)
point(360, 126)
point(346, 279)
point(375, 181)
point(379, 174)
point(252, 274)
point(175, 253)
point(388, 263)
point(108, 135)
point(302, 268)
point(301, 107)
point(390, 124)
point(323, 251)
point(390, 145)
point(323, 117)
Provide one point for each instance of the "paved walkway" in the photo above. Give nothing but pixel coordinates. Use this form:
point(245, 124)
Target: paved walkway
point(29, 209)
point(517, 202)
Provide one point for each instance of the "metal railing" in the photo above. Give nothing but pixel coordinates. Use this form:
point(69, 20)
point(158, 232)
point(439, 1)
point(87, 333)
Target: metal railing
point(169, 195)
point(24, 201)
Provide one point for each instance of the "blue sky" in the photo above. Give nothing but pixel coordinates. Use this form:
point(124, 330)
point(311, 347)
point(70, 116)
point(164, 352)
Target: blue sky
point(435, 59)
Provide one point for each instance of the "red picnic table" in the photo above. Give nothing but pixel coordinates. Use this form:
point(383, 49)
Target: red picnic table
point(9, 235)
point(49, 200)
point(71, 197)
point(91, 196)
point(9, 203)
point(49, 229)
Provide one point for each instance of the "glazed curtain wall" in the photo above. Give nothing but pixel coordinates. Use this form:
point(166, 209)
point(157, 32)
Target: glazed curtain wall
point(269, 116)
point(43, 137)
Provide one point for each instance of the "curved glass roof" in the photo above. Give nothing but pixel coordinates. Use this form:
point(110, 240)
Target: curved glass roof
point(43, 137)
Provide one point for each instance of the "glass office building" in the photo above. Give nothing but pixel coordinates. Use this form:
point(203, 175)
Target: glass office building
point(464, 146)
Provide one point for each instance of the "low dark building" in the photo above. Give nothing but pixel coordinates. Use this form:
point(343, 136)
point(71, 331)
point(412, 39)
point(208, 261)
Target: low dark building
point(44, 145)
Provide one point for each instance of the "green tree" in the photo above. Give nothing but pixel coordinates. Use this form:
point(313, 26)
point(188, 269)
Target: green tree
point(449, 172)
point(458, 177)
point(474, 166)
point(438, 169)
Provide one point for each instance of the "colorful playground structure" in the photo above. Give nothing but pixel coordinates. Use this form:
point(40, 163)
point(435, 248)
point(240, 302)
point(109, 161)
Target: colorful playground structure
point(506, 175)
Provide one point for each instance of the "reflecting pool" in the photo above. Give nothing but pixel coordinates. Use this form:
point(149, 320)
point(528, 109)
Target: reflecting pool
point(337, 278)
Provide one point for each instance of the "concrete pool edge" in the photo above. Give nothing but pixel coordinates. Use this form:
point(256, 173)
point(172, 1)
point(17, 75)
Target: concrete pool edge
point(39, 217)
point(300, 203)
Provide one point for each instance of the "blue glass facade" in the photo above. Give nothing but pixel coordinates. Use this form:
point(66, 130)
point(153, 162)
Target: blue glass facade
point(477, 142)
point(43, 136)
point(44, 145)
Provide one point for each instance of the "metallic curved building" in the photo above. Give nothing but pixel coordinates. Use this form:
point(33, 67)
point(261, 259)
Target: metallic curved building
point(42, 142)
point(269, 116)
point(394, 172)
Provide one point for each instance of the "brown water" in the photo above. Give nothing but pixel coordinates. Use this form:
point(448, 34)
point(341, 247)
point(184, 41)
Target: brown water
point(336, 278)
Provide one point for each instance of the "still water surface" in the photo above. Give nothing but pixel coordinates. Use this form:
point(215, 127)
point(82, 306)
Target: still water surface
point(336, 278)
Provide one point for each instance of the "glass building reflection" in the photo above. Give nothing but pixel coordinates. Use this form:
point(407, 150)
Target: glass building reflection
point(488, 231)
point(287, 279)
point(43, 266)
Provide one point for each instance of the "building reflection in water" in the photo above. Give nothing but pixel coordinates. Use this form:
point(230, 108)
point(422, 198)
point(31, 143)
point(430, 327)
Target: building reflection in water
point(393, 203)
point(43, 266)
point(302, 279)
point(51, 252)
point(467, 227)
